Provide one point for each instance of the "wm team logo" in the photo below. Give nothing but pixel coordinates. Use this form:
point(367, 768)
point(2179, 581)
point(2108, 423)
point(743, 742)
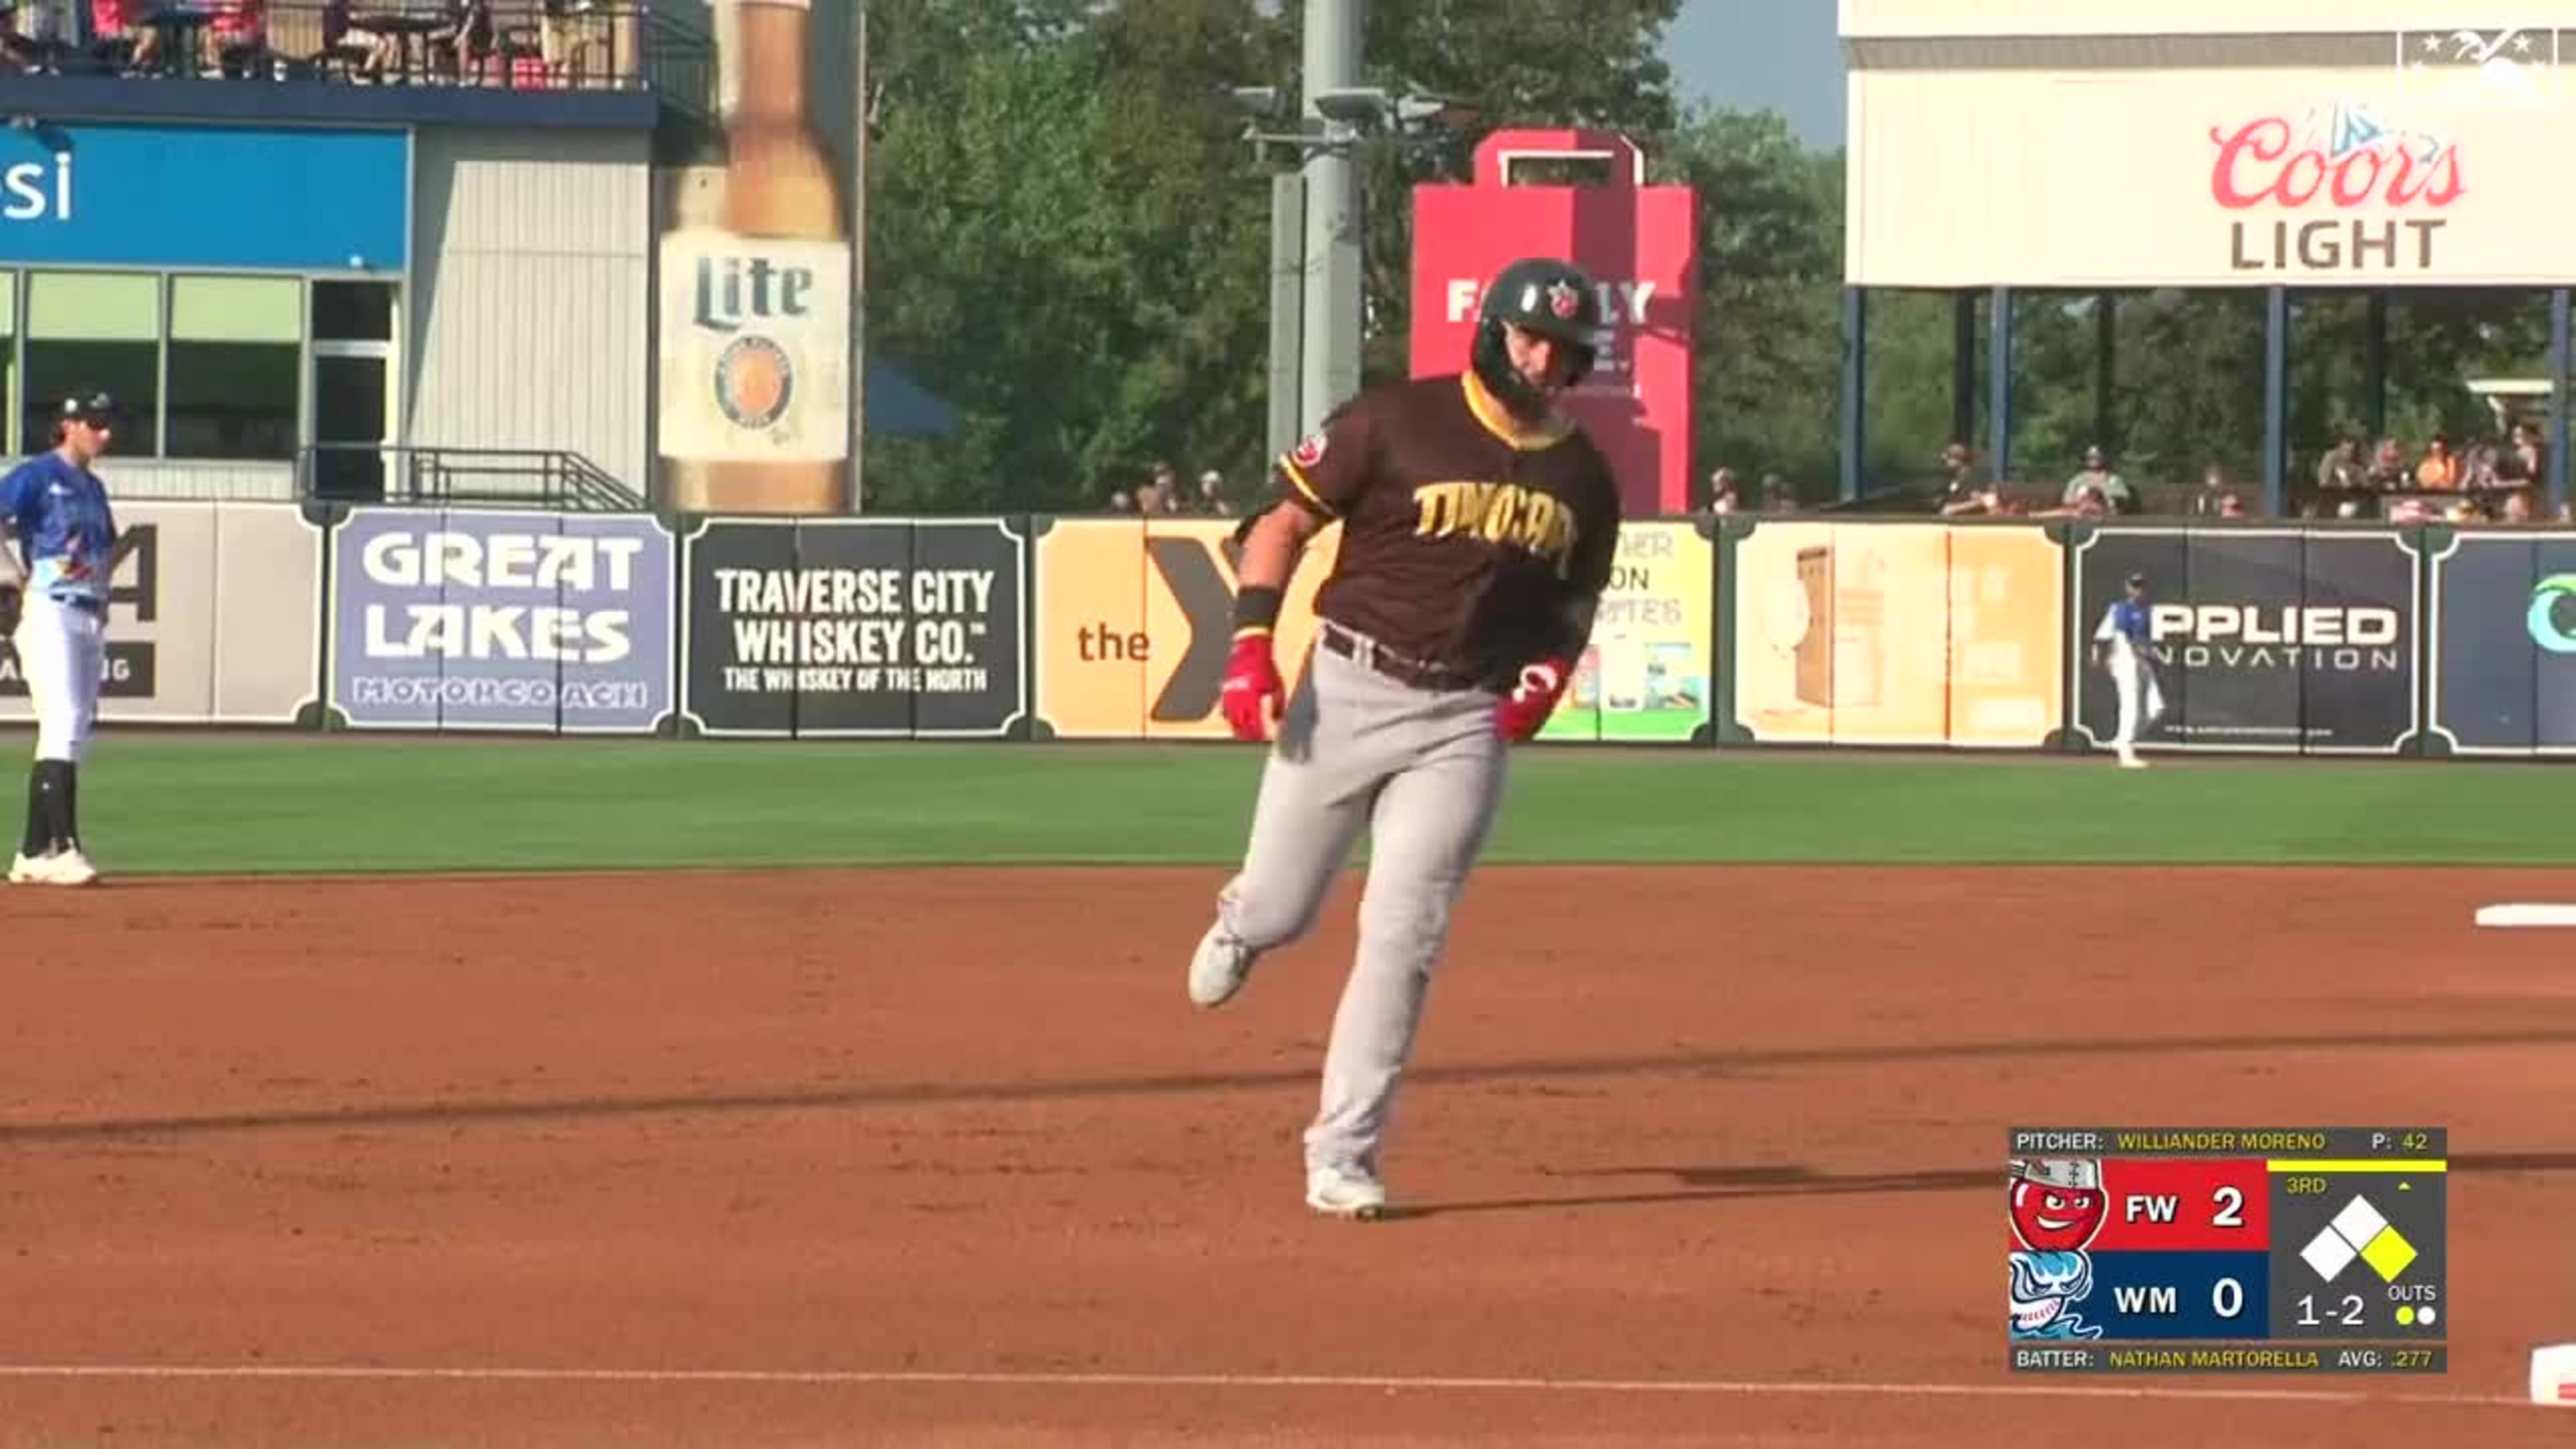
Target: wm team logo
point(2500, 68)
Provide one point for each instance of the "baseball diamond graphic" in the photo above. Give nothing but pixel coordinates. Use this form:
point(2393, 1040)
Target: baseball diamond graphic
point(2360, 1255)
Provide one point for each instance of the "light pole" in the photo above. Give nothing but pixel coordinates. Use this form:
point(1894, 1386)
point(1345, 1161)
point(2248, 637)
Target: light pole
point(1315, 253)
point(1331, 71)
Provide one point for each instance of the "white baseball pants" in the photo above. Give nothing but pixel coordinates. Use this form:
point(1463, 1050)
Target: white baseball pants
point(2135, 680)
point(62, 653)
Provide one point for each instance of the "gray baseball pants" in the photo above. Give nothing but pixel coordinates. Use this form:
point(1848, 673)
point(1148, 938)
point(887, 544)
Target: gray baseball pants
point(1423, 770)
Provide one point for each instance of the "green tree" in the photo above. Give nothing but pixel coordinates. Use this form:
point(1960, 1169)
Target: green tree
point(1066, 240)
point(1548, 64)
point(1069, 234)
point(1767, 370)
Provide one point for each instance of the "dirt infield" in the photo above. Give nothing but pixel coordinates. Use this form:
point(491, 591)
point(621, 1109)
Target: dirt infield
point(1708, 1154)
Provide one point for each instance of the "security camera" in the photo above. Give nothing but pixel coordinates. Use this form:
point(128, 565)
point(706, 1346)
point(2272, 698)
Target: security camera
point(1419, 110)
point(1254, 100)
point(1352, 105)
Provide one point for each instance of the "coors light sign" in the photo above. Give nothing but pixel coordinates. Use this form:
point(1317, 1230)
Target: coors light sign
point(755, 294)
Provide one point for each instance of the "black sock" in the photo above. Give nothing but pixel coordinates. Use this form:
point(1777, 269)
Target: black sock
point(67, 818)
point(40, 815)
point(53, 794)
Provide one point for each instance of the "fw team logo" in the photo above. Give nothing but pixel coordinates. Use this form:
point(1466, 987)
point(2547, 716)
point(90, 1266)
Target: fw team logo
point(2056, 1206)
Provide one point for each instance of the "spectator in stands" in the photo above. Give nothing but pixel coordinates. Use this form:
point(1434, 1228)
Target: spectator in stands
point(564, 39)
point(1961, 478)
point(1722, 496)
point(2517, 506)
point(237, 28)
point(2439, 470)
point(2481, 467)
point(2099, 476)
point(112, 31)
point(463, 44)
point(2340, 471)
point(1212, 494)
point(347, 36)
point(2085, 502)
point(1989, 501)
point(18, 51)
point(2527, 451)
point(1777, 496)
point(2215, 489)
point(54, 22)
point(2387, 470)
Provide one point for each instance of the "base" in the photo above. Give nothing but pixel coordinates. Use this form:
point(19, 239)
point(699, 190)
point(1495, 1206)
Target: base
point(2553, 1375)
point(2527, 915)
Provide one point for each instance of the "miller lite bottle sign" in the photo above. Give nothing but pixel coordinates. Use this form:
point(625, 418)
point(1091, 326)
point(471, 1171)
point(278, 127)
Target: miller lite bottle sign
point(755, 294)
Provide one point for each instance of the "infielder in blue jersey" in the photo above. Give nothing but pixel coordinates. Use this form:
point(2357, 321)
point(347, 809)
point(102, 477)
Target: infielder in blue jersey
point(68, 546)
point(2125, 644)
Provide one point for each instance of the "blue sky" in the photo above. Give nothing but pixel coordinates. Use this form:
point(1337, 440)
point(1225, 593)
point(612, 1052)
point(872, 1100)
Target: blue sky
point(1785, 55)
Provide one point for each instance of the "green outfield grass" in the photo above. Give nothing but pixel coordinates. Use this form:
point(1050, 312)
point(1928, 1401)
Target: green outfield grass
point(154, 804)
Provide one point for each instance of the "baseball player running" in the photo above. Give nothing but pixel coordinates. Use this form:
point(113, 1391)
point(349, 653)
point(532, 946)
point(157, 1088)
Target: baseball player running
point(58, 511)
point(2124, 644)
point(1478, 529)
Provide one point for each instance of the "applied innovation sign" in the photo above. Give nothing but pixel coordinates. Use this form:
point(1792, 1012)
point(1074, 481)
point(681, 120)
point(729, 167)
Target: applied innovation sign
point(275, 197)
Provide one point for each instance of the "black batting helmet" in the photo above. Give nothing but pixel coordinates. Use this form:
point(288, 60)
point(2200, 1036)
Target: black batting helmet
point(1555, 299)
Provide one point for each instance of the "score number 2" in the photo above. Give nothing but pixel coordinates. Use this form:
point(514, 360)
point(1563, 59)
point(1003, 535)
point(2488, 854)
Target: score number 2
point(2352, 1307)
point(2231, 1208)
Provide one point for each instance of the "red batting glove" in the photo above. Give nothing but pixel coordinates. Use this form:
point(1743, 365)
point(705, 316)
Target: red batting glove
point(1254, 692)
point(1524, 711)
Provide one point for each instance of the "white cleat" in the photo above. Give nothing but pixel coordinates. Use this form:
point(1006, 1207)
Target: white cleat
point(1342, 1192)
point(1218, 967)
point(30, 869)
point(71, 868)
point(2132, 762)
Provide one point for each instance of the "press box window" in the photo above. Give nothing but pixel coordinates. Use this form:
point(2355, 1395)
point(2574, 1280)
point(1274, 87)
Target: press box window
point(236, 366)
point(353, 312)
point(94, 330)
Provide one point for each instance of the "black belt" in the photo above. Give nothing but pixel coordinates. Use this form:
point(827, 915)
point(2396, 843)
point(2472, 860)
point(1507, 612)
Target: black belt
point(83, 603)
point(1367, 653)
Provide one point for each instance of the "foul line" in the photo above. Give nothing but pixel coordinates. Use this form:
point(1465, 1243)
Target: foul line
point(1428, 1383)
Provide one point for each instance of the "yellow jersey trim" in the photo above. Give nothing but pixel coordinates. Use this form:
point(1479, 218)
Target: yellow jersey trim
point(1296, 476)
point(1498, 420)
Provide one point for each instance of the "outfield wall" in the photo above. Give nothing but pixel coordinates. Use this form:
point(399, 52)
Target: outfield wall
point(1745, 632)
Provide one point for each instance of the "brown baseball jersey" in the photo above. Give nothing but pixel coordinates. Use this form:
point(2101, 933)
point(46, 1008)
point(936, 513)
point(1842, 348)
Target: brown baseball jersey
point(1464, 534)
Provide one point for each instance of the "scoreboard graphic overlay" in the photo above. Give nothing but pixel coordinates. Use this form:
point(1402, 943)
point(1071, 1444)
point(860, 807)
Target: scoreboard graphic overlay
point(2213, 1250)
